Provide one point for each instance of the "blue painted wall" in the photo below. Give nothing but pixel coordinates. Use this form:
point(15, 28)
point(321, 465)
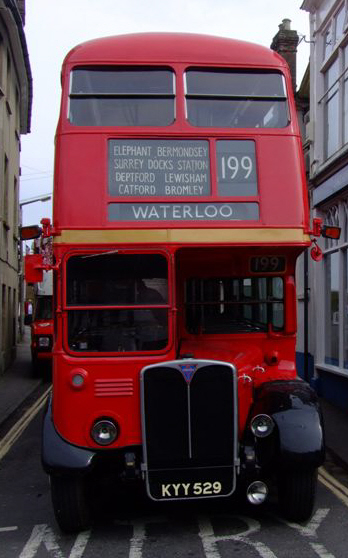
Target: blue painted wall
point(332, 387)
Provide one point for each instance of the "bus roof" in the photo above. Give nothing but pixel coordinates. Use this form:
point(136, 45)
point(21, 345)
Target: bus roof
point(173, 48)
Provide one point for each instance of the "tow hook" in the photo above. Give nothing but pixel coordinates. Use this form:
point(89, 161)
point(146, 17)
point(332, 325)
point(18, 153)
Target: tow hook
point(130, 465)
point(249, 457)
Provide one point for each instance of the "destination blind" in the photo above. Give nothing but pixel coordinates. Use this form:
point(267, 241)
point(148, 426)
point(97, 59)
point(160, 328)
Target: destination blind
point(159, 168)
point(167, 169)
point(183, 212)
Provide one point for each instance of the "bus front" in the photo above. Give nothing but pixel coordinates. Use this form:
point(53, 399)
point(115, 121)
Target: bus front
point(179, 212)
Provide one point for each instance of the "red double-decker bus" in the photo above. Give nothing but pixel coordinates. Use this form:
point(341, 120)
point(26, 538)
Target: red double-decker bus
point(180, 208)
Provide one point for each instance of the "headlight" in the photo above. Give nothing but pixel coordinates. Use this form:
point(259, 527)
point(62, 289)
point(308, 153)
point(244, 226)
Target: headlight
point(262, 426)
point(104, 432)
point(43, 342)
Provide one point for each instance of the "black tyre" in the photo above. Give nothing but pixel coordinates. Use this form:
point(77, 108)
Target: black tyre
point(296, 494)
point(69, 499)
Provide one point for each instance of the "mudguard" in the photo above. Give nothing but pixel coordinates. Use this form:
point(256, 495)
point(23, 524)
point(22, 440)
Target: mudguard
point(57, 455)
point(295, 409)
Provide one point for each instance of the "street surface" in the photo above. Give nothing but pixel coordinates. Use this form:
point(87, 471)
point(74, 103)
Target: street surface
point(131, 526)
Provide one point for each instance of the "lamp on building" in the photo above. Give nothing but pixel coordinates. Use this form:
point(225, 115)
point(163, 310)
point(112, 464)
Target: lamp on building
point(42, 198)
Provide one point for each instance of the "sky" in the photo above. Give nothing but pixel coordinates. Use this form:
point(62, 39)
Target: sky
point(53, 27)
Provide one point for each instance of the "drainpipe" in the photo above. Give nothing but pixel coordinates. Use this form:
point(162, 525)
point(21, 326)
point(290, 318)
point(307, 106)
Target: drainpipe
point(305, 318)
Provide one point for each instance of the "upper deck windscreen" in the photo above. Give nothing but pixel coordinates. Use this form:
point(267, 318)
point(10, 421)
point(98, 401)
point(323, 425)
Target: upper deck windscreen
point(121, 97)
point(145, 96)
point(236, 99)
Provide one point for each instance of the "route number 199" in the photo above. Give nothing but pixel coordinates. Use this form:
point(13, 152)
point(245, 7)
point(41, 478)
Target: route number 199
point(232, 165)
point(267, 264)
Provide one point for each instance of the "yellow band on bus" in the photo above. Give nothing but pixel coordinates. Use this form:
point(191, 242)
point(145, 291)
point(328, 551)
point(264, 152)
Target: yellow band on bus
point(184, 236)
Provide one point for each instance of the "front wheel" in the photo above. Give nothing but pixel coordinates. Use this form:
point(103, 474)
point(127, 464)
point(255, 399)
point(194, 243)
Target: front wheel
point(296, 494)
point(70, 505)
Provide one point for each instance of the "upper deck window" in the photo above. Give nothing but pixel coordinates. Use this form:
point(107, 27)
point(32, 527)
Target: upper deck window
point(236, 99)
point(106, 96)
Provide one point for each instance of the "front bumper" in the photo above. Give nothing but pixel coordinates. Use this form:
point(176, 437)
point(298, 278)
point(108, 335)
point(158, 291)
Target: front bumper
point(57, 455)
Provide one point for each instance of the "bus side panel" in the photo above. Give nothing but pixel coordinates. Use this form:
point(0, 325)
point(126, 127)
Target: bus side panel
point(282, 182)
point(82, 155)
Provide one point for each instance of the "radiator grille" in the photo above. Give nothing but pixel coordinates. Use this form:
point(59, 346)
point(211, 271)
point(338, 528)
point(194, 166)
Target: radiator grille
point(189, 422)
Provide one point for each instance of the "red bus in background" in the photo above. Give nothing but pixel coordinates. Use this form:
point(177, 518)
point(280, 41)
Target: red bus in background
point(180, 208)
point(41, 327)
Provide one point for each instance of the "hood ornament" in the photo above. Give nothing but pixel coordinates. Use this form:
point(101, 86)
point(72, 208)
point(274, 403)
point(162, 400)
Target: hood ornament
point(188, 370)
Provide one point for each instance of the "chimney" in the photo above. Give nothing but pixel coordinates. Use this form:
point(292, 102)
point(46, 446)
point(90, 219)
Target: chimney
point(285, 43)
point(21, 9)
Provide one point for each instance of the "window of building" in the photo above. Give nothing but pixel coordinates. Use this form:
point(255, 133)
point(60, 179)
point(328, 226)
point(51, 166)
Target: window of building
point(335, 29)
point(339, 23)
point(15, 206)
point(334, 101)
point(345, 97)
point(8, 78)
point(4, 314)
point(5, 193)
point(2, 54)
point(106, 96)
point(14, 317)
point(332, 140)
point(236, 99)
point(9, 316)
point(334, 343)
point(332, 308)
point(18, 110)
point(327, 42)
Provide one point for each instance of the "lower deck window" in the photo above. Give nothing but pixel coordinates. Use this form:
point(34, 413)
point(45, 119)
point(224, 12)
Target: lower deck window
point(234, 305)
point(117, 302)
point(117, 330)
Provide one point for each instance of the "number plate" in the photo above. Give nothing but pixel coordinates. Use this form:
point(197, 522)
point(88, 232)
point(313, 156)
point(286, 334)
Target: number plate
point(183, 484)
point(267, 264)
point(190, 489)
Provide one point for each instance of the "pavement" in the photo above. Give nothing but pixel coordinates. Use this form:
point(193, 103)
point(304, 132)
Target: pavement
point(336, 432)
point(18, 383)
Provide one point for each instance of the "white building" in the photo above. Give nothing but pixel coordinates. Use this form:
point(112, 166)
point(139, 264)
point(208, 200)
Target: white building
point(327, 140)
